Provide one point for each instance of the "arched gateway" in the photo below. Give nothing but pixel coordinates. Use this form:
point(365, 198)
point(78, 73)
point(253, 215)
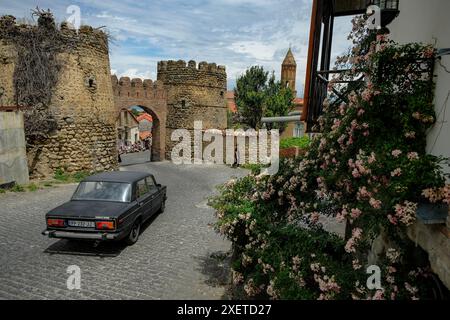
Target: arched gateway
point(150, 96)
point(183, 94)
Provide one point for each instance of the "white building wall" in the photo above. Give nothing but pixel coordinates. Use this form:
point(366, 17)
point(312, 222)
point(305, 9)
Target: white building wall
point(134, 132)
point(429, 22)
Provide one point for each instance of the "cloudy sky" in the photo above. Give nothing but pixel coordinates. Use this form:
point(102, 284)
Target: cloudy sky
point(234, 33)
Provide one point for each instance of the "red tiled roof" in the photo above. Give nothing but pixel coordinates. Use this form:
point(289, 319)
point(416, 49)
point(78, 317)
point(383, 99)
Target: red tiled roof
point(298, 101)
point(144, 135)
point(231, 103)
point(145, 116)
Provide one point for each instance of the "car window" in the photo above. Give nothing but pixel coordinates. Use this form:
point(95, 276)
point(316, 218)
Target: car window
point(142, 188)
point(151, 184)
point(103, 191)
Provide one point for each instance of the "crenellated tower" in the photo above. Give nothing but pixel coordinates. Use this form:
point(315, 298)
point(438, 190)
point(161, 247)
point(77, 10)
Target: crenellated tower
point(80, 102)
point(194, 93)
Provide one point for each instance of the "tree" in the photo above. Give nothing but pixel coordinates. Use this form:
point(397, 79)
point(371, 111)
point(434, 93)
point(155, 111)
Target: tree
point(250, 95)
point(135, 112)
point(279, 101)
point(258, 95)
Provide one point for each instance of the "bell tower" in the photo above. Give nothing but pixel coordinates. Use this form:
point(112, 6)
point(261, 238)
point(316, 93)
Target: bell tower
point(289, 72)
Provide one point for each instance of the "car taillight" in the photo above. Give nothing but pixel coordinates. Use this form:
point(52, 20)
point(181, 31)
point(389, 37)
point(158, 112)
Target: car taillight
point(104, 225)
point(55, 223)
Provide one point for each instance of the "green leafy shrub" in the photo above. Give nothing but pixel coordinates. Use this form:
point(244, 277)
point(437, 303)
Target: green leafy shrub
point(300, 142)
point(80, 176)
point(32, 187)
point(17, 188)
point(60, 175)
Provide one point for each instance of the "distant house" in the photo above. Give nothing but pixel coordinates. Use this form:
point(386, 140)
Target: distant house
point(295, 128)
point(127, 128)
point(145, 125)
point(231, 103)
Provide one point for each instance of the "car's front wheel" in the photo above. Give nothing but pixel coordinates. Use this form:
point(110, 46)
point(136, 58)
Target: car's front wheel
point(163, 207)
point(134, 233)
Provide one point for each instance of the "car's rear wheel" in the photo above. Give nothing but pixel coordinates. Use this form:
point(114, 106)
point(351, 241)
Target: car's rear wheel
point(134, 233)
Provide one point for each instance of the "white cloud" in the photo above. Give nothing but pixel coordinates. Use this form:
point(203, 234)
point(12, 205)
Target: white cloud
point(255, 49)
point(234, 33)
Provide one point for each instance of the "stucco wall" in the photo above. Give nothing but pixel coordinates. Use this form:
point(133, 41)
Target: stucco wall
point(428, 22)
point(13, 158)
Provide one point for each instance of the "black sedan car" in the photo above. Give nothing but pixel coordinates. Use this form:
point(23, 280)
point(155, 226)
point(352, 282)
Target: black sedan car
point(108, 206)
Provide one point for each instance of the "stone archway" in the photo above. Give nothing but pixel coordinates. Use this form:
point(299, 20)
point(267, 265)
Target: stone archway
point(150, 96)
point(158, 148)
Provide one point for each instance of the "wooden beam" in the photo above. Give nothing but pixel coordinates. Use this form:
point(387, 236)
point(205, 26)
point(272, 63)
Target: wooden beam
point(312, 33)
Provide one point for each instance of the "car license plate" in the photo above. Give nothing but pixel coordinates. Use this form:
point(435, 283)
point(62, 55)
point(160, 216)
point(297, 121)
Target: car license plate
point(81, 224)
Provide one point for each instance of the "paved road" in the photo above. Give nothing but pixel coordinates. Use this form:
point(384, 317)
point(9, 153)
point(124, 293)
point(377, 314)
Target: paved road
point(175, 257)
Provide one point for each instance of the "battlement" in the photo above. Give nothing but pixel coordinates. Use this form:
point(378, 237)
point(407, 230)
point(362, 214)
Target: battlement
point(180, 65)
point(180, 73)
point(137, 88)
point(126, 83)
point(84, 38)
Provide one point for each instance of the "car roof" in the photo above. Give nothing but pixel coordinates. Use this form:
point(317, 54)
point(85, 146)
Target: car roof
point(119, 176)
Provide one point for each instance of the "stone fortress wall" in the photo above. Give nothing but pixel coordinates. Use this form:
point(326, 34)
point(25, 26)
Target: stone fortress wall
point(82, 103)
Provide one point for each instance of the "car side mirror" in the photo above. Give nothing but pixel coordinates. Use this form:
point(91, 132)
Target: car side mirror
point(159, 185)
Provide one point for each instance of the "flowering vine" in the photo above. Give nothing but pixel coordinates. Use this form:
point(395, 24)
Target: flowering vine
point(367, 168)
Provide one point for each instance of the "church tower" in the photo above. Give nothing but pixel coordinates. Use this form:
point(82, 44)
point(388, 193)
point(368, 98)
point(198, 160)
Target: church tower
point(289, 72)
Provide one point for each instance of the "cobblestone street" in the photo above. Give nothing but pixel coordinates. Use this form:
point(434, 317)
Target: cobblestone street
point(172, 259)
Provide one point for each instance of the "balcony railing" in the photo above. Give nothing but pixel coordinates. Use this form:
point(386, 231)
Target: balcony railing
point(419, 68)
point(320, 91)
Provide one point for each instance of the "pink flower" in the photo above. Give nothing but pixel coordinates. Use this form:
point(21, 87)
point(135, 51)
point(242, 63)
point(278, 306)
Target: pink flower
point(428, 53)
point(379, 295)
point(372, 158)
point(381, 38)
point(392, 220)
point(413, 156)
point(363, 193)
point(355, 213)
point(340, 218)
point(367, 95)
point(396, 153)
point(376, 204)
point(337, 123)
point(396, 173)
point(406, 213)
point(356, 236)
point(356, 264)
point(355, 173)
point(315, 217)
point(410, 135)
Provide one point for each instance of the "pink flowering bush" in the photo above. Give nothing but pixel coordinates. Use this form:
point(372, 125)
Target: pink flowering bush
point(367, 168)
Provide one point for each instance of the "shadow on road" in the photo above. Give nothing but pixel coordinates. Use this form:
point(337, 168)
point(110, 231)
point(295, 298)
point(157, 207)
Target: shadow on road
point(216, 266)
point(86, 248)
